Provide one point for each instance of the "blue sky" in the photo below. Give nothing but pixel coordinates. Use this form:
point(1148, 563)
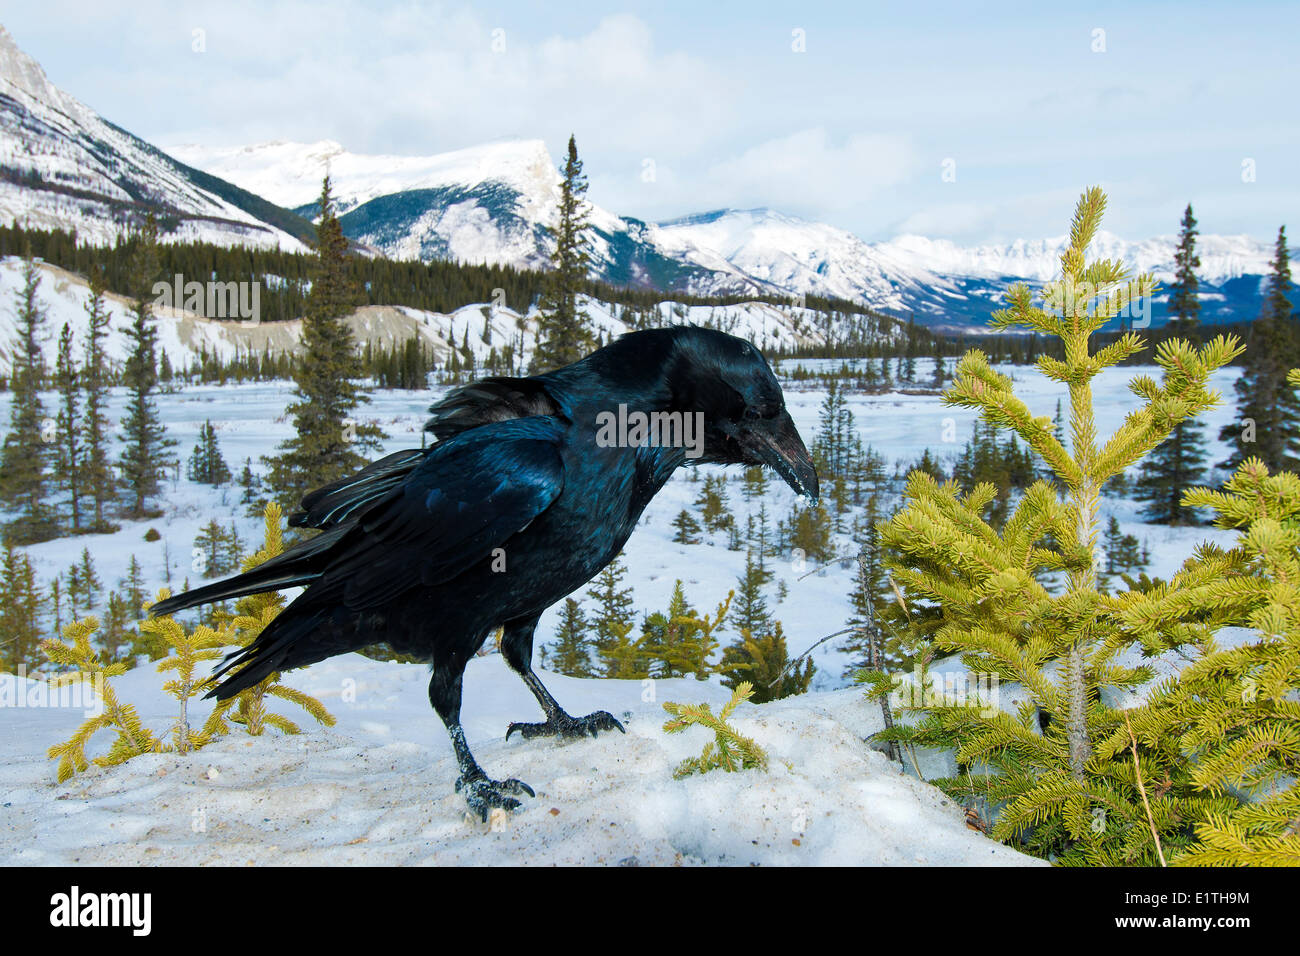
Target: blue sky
point(1022, 105)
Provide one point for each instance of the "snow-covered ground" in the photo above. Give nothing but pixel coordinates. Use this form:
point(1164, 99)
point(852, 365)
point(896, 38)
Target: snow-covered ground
point(377, 788)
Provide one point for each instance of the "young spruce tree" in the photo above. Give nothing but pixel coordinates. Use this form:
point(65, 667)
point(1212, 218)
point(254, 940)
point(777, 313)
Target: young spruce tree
point(97, 471)
point(1025, 603)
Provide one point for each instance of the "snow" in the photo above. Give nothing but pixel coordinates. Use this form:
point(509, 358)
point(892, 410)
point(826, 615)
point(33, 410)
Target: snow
point(47, 132)
point(1222, 257)
point(184, 335)
point(376, 789)
point(289, 174)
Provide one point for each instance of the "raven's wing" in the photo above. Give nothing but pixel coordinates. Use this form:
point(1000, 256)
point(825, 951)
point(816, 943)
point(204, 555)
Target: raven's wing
point(483, 402)
point(464, 498)
point(467, 498)
point(340, 500)
point(489, 400)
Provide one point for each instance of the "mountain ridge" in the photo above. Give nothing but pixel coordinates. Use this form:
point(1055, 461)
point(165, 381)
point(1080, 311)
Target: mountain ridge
point(495, 203)
point(62, 165)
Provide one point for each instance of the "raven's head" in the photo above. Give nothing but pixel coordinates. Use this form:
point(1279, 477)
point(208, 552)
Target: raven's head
point(745, 422)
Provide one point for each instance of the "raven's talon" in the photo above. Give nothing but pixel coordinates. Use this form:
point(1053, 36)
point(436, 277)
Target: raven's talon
point(483, 795)
point(567, 727)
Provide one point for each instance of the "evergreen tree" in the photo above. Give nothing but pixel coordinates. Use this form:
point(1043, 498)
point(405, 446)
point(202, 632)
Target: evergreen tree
point(206, 465)
point(687, 529)
point(217, 551)
point(326, 445)
point(25, 456)
point(88, 579)
point(679, 642)
point(114, 637)
point(1268, 409)
point(569, 654)
point(809, 530)
point(929, 464)
point(563, 328)
point(98, 472)
point(754, 483)
point(70, 456)
point(1124, 553)
point(751, 612)
point(1278, 295)
point(612, 618)
point(1169, 472)
point(250, 486)
point(21, 607)
point(758, 541)
point(134, 585)
point(1184, 304)
point(1230, 716)
point(145, 456)
point(712, 502)
point(867, 645)
point(1050, 763)
point(836, 444)
point(763, 659)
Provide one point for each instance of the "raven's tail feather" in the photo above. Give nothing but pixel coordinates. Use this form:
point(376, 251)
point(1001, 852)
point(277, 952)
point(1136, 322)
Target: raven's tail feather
point(300, 565)
point(241, 585)
point(279, 647)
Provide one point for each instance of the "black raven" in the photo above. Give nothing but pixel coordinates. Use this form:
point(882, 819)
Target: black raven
point(532, 487)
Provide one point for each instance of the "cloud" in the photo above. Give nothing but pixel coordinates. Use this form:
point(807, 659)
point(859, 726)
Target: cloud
point(808, 173)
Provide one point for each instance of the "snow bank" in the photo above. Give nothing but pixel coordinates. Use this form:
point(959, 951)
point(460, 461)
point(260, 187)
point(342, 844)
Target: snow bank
point(377, 788)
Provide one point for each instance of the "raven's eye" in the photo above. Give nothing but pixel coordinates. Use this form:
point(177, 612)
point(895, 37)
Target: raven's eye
point(752, 414)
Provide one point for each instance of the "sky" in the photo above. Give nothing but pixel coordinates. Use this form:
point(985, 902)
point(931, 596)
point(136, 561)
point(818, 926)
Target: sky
point(968, 121)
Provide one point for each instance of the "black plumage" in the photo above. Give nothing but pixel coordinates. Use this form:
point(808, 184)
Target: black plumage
point(521, 501)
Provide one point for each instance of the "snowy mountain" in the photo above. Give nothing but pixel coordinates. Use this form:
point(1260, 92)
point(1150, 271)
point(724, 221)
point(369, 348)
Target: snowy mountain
point(496, 204)
point(64, 166)
point(492, 204)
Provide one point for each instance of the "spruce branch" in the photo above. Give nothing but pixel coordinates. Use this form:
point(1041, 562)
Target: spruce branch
point(733, 752)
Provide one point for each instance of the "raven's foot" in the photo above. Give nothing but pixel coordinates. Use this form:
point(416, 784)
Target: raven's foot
point(566, 727)
point(483, 795)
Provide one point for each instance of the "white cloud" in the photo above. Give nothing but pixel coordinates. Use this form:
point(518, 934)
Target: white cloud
point(809, 171)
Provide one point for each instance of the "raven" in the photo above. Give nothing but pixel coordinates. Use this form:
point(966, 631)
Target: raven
point(526, 494)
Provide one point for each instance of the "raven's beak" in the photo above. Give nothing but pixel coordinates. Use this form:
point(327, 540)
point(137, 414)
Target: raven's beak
point(776, 442)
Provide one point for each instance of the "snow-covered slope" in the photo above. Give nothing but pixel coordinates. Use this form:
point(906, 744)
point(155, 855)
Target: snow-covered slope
point(377, 788)
point(1222, 257)
point(184, 336)
point(64, 166)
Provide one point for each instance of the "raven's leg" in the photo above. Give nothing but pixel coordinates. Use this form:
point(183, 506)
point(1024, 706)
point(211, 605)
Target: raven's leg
point(517, 648)
point(481, 793)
